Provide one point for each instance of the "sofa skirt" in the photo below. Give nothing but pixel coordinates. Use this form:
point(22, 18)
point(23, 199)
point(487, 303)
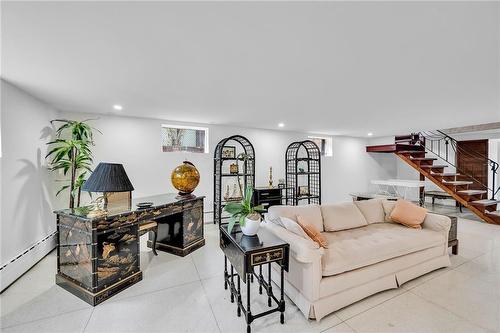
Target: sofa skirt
point(387, 279)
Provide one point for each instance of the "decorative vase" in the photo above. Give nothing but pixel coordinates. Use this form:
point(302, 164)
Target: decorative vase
point(185, 178)
point(251, 227)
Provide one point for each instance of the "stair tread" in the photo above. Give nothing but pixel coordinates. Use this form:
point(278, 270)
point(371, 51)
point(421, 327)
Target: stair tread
point(457, 182)
point(485, 202)
point(423, 158)
point(444, 174)
point(471, 192)
point(496, 213)
point(411, 151)
point(437, 166)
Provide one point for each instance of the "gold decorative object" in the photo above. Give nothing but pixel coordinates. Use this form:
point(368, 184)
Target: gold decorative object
point(107, 249)
point(185, 178)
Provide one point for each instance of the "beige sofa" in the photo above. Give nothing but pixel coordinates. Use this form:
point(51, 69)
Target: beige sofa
point(366, 253)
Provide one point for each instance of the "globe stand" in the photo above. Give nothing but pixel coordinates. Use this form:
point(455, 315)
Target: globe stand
point(185, 196)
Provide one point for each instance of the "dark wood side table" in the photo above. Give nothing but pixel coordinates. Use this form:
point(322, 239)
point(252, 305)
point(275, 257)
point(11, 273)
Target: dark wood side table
point(452, 236)
point(244, 254)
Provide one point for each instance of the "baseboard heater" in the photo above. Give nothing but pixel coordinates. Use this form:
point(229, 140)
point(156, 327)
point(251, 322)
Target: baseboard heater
point(20, 264)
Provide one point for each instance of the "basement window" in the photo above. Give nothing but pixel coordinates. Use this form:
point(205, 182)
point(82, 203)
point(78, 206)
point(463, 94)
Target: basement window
point(324, 143)
point(179, 138)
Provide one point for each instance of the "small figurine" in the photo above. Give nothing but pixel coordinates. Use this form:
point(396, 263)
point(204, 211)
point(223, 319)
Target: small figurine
point(233, 168)
point(270, 177)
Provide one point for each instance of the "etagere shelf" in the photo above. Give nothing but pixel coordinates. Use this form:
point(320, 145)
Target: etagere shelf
point(303, 173)
point(221, 170)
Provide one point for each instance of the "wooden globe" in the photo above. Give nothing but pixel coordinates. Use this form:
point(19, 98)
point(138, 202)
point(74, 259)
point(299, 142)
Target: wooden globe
point(185, 178)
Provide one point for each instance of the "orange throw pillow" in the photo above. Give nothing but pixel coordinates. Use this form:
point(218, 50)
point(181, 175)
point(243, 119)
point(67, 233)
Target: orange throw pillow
point(408, 214)
point(312, 232)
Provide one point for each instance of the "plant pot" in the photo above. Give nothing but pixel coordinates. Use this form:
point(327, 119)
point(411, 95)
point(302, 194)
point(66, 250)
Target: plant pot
point(251, 227)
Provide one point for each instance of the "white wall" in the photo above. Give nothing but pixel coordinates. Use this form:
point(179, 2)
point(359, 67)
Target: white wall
point(26, 193)
point(135, 142)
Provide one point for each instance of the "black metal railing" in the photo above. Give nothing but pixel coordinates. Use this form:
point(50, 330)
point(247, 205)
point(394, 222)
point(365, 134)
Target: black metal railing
point(446, 148)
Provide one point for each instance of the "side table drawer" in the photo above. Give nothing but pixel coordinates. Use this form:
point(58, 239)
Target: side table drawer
point(264, 257)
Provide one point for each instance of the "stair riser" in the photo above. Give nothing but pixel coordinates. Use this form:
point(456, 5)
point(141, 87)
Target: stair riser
point(424, 163)
point(447, 178)
point(419, 154)
point(469, 198)
point(495, 218)
point(436, 170)
point(456, 188)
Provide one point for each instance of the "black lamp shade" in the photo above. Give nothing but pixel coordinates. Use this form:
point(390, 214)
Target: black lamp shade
point(108, 177)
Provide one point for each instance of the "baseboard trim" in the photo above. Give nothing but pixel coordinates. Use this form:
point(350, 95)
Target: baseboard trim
point(16, 267)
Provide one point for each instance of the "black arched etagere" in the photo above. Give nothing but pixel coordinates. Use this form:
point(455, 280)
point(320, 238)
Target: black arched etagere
point(222, 163)
point(303, 173)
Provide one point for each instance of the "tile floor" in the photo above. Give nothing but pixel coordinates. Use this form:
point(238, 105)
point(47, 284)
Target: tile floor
point(187, 295)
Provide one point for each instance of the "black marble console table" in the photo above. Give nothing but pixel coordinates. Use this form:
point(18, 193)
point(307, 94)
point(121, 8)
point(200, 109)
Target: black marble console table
point(244, 254)
point(98, 257)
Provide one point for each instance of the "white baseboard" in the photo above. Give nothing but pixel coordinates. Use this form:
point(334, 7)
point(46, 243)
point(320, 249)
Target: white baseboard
point(19, 265)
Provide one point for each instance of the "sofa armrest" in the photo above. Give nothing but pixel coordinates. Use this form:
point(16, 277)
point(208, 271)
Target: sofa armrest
point(303, 250)
point(436, 222)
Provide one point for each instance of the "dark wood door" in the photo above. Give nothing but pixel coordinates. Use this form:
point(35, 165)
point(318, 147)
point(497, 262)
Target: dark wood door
point(472, 160)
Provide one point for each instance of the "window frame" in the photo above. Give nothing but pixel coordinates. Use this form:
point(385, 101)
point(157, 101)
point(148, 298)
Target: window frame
point(189, 127)
point(328, 144)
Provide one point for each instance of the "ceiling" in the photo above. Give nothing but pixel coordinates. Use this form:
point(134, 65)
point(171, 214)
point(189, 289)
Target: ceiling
point(327, 67)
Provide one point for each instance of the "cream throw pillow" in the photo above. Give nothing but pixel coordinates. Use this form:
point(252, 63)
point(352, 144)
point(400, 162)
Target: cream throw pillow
point(388, 207)
point(408, 214)
point(293, 226)
point(372, 210)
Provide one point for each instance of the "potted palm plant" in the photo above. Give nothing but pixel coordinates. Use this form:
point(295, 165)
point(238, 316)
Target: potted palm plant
point(71, 153)
point(245, 214)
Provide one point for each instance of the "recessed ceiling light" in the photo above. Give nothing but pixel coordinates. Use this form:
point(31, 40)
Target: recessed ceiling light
point(117, 107)
point(370, 134)
point(281, 125)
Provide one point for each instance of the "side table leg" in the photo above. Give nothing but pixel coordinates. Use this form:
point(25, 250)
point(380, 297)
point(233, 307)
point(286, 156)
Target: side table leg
point(282, 299)
point(260, 279)
point(249, 312)
point(454, 249)
point(225, 272)
point(270, 291)
point(232, 284)
point(238, 310)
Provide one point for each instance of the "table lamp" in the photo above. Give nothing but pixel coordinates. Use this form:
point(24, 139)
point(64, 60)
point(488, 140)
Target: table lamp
point(110, 179)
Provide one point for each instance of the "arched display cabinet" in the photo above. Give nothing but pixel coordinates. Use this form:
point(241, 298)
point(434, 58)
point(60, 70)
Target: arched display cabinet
point(303, 173)
point(225, 178)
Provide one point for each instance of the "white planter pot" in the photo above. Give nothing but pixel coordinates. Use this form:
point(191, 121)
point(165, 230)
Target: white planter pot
point(251, 227)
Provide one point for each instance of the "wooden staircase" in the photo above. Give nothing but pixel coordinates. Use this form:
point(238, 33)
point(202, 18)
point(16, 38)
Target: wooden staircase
point(458, 186)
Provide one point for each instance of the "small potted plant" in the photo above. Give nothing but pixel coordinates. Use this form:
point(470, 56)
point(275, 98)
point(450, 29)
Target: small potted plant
point(245, 214)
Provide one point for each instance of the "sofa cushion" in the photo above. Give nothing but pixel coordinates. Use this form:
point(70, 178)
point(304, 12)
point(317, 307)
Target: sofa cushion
point(310, 212)
point(360, 247)
point(388, 207)
point(312, 232)
point(408, 214)
point(341, 216)
point(372, 210)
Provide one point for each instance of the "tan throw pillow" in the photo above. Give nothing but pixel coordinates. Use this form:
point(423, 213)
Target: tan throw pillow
point(388, 207)
point(408, 214)
point(372, 210)
point(312, 232)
